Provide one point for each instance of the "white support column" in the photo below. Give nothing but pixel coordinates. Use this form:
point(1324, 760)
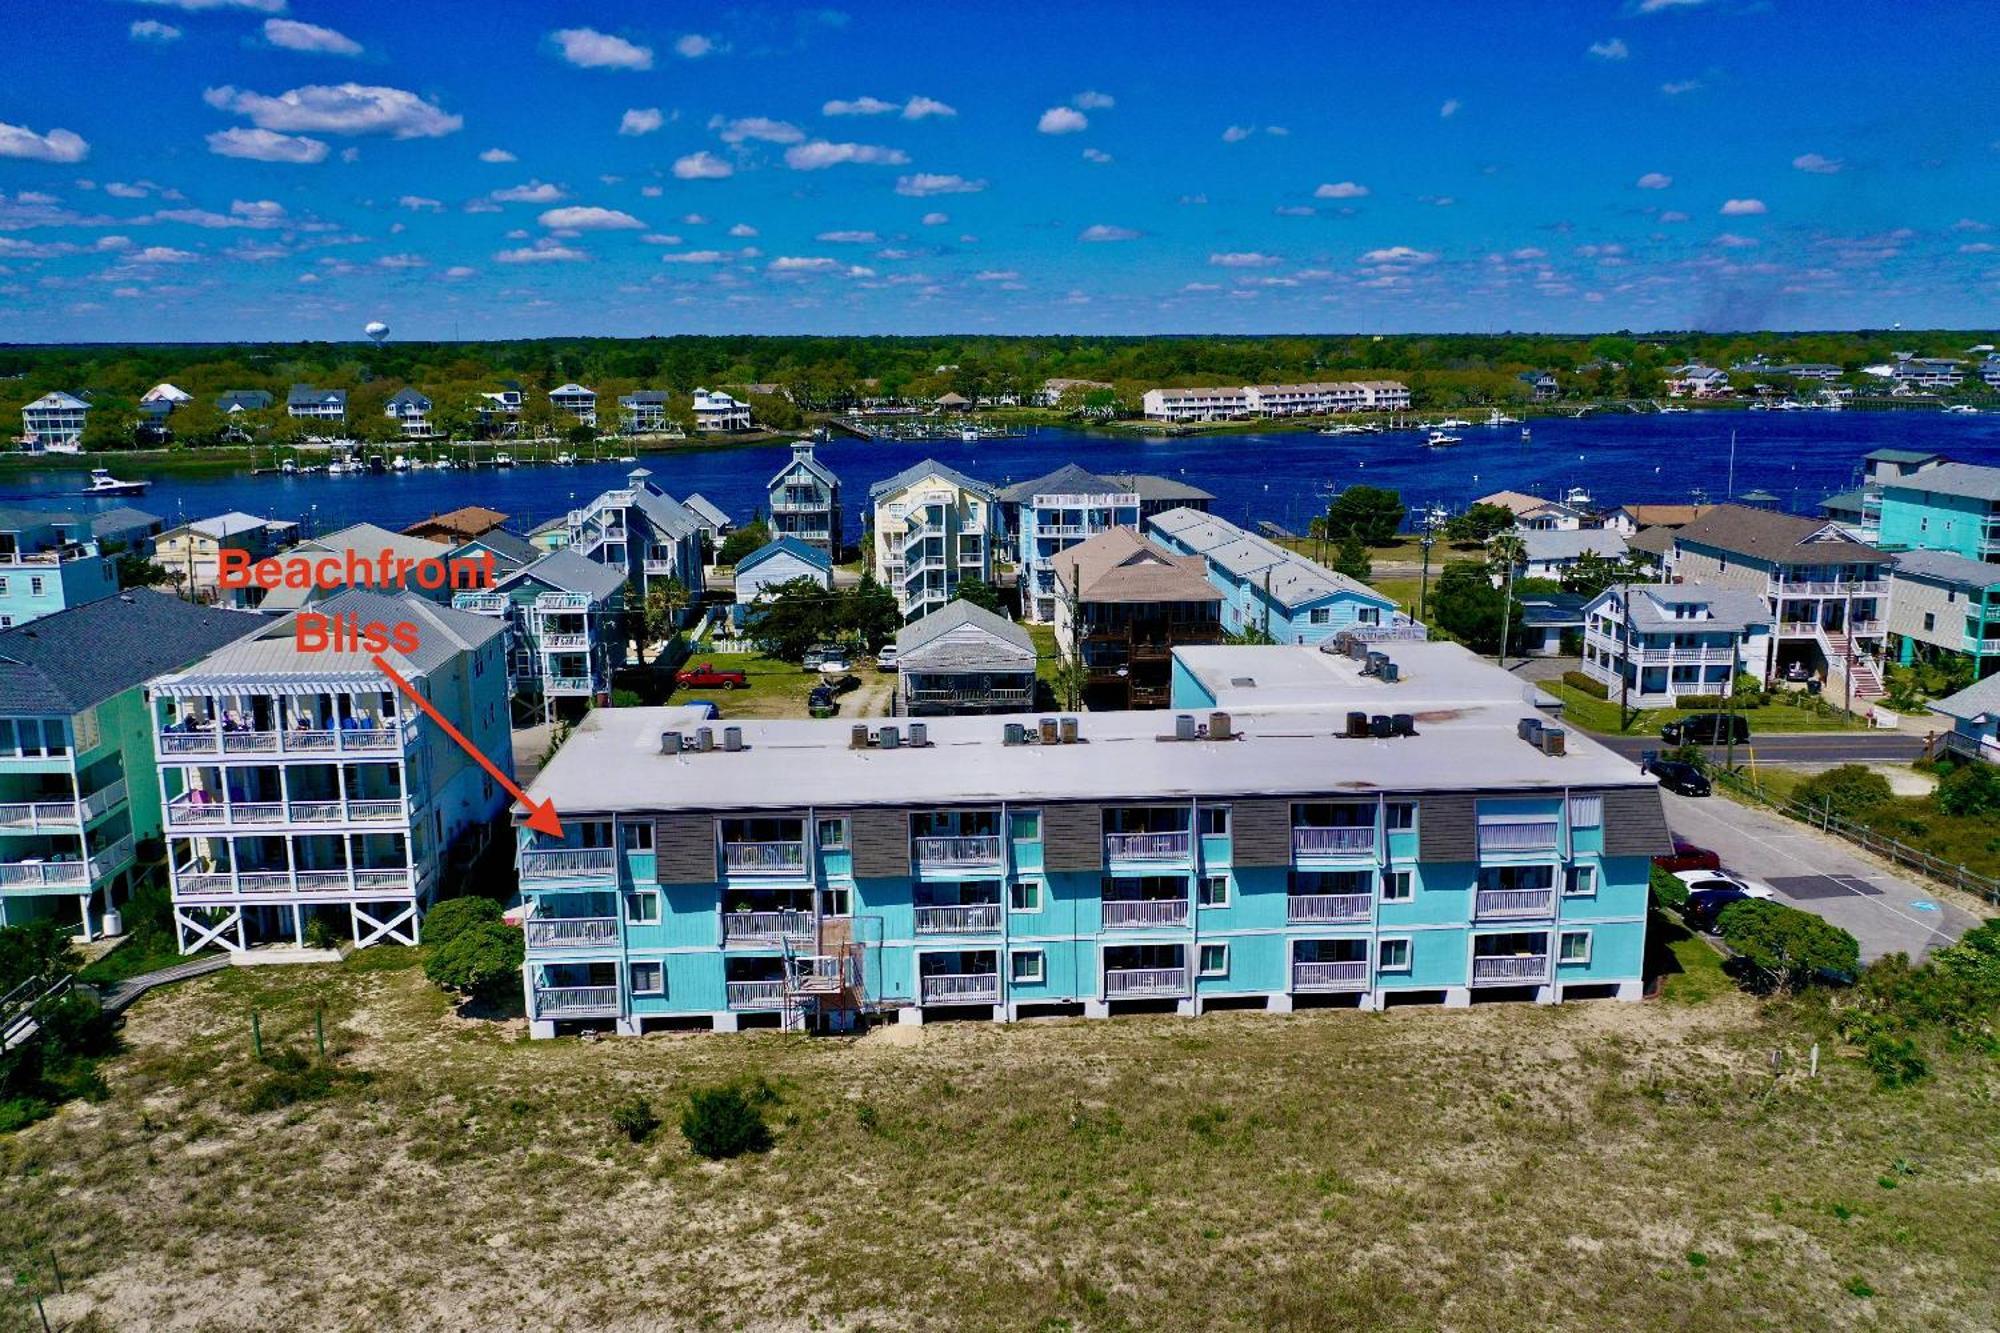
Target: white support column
point(725, 1022)
point(911, 1016)
point(1097, 1009)
point(299, 925)
point(1458, 997)
point(83, 913)
point(1278, 1004)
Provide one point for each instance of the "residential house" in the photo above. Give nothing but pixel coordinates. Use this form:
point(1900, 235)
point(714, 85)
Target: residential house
point(497, 412)
point(77, 792)
point(192, 552)
point(126, 529)
point(1005, 869)
point(1859, 511)
point(785, 560)
point(1626, 520)
point(964, 659)
point(1698, 381)
point(306, 403)
point(1944, 605)
point(576, 402)
point(1651, 643)
point(1989, 372)
point(1925, 373)
point(411, 411)
point(49, 561)
point(805, 501)
point(1158, 494)
point(1271, 590)
point(714, 521)
point(1974, 714)
point(550, 534)
point(1542, 385)
point(1553, 552)
point(1123, 603)
point(506, 551)
point(933, 528)
point(158, 403)
point(643, 411)
point(457, 525)
point(1315, 398)
point(1533, 513)
point(54, 423)
point(1214, 403)
point(1948, 507)
point(301, 784)
point(1053, 391)
point(1551, 624)
point(1826, 592)
point(642, 531)
point(236, 402)
point(717, 411)
point(565, 636)
point(1049, 515)
point(367, 542)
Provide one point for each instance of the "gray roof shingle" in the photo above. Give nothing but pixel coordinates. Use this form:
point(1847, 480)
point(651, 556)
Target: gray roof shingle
point(1764, 534)
point(1000, 645)
point(918, 471)
point(78, 658)
point(1966, 480)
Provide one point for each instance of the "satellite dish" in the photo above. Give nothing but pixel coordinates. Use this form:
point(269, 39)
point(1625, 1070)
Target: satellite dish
point(377, 330)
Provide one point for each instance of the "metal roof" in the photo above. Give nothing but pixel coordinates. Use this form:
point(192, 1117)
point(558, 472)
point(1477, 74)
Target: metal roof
point(916, 472)
point(1946, 567)
point(928, 645)
point(707, 511)
point(1293, 580)
point(791, 546)
point(1558, 544)
point(1966, 480)
point(566, 571)
point(271, 657)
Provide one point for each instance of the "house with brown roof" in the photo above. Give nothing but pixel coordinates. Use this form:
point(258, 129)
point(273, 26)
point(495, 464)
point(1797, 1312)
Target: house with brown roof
point(1123, 603)
point(1535, 514)
point(457, 526)
point(1629, 519)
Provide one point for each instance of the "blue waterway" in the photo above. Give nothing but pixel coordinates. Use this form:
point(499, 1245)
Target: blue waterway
point(1800, 457)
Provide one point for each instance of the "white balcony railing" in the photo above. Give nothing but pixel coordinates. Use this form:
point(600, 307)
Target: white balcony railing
point(104, 799)
point(576, 1002)
point(565, 643)
point(1140, 913)
point(1524, 837)
point(1514, 902)
point(765, 928)
point(1510, 970)
point(1146, 846)
point(1330, 976)
point(962, 988)
point(29, 816)
point(764, 858)
point(1333, 841)
point(959, 919)
point(755, 994)
point(567, 684)
point(571, 932)
point(1326, 907)
point(389, 736)
point(568, 862)
point(973, 850)
point(1128, 982)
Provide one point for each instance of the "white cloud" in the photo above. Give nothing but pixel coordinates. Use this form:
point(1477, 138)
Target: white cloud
point(1062, 120)
point(548, 250)
point(152, 30)
point(698, 257)
point(266, 146)
point(120, 190)
point(996, 275)
point(1092, 100)
point(1341, 190)
point(1242, 259)
point(936, 219)
point(296, 36)
point(1238, 133)
point(694, 219)
point(1818, 165)
point(1449, 109)
point(819, 154)
point(1978, 248)
point(1296, 211)
point(161, 254)
point(802, 264)
point(1278, 131)
point(1731, 241)
point(694, 46)
point(1611, 48)
point(1679, 86)
point(1399, 254)
point(497, 155)
point(1655, 180)
point(1105, 232)
point(926, 183)
point(702, 166)
point(417, 203)
point(1673, 215)
point(849, 238)
point(55, 146)
point(345, 108)
point(859, 106)
point(1738, 208)
point(641, 120)
point(1971, 224)
point(196, 6)
point(742, 231)
point(459, 271)
point(253, 213)
point(660, 238)
point(1097, 155)
point(534, 192)
point(583, 218)
point(652, 191)
point(1655, 6)
point(920, 107)
point(587, 48)
point(402, 261)
point(761, 128)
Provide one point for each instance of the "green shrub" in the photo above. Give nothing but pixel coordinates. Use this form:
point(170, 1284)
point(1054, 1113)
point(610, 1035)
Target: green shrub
point(1847, 792)
point(453, 915)
point(626, 699)
point(1784, 947)
point(483, 960)
point(1589, 685)
point(320, 933)
point(1969, 790)
point(1700, 702)
point(724, 1122)
point(1895, 1061)
point(293, 1078)
point(1667, 890)
point(634, 1118)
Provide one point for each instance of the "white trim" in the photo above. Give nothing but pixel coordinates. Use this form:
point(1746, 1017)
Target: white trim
point(631, 971)
point(1562, 935)
point(631, 896)
point(1201, 968)
point(1404, 968)
point(1585, 873)
point(1409, 882)
point(1202, 881)
point(1014, 960)
point(1040, 890)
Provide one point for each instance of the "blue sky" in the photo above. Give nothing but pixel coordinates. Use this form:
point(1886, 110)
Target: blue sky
point(206, 169)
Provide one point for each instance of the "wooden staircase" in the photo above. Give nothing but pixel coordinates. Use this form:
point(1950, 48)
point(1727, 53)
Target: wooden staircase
point(1864, 678)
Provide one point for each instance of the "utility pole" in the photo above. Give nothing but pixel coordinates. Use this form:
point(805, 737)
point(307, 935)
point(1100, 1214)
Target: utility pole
point(1729, 706)
point(1625, 653)
point(1424, 543)
point(1075, 608)
point(1507, 604)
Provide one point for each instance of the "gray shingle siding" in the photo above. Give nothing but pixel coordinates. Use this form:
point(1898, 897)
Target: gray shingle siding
point(1448, 827)
point(1073, 836)
point(684, 849)
point(1635, 823)
point(1260, 833)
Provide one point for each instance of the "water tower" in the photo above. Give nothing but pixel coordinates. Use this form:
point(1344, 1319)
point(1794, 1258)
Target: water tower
point(376, 330)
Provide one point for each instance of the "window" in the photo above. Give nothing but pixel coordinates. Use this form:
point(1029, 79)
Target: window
point(1213, 891)
point(1215, 960)
point(1393, 956)
point(1586, 812)
point(1396, 887)
point(1930, 620)
point(1215, 821)
point(834, 902)
point(1322, 615)
point(1401, 816)
point(1025, 825)
point(832, 833)
point(594, 833)
point(1575, 947)
point(1029, 966)
point(1581, 882)
point(642, 909)
point(638, 836)
point(35, 587)
point(648, 979)
point(1025, 896)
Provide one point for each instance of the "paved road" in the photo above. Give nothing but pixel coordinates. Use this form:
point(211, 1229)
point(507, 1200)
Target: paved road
point(1817, 747)
point(1823, 875)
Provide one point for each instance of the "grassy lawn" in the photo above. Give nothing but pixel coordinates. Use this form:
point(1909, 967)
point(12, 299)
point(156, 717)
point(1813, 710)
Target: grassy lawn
point(776, 689)
point(1592, 1166)
point(1403, 590)
point(1594, 714)
point(1047, 658)
point(1689, 967)
point(134, 957)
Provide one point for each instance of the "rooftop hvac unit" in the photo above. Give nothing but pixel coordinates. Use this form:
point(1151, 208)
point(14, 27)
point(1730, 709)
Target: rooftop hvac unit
point(1184, 726)
point(1357, 725)
point(1048, 730)
point(1380, 727)
point(1403, 724)
point(1357, 647)
point(1218, 727)
point(1014, 734)
point(857, 736)
point(1522, 727)
point(732, 739)
point(1552, 741)
point(704, 739)
point(670, 742)
point(1389, 672)
point(1067, 729)
point(919, 734)
point(889, 738)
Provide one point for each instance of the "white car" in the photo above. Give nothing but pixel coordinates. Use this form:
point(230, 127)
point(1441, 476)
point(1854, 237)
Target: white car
point(885, 657)
point(1700, 881)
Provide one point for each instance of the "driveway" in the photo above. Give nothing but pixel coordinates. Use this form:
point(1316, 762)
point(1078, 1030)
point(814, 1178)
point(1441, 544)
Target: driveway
point(1885, 911)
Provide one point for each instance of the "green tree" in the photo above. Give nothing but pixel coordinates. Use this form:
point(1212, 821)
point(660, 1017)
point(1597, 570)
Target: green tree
point(868, 610)
point(724, 1122)
point(1785, 948)
point(793, 616)
point(1593, 573)
point(980, 593)
point(481, 962)
point(752, 536)
point(454, 916)
point(35, 949)
point(1969, 790)
point(1352, 559)
point(1466, 605)
point(666, 601)
point(1371, 511)
point(1478, 524)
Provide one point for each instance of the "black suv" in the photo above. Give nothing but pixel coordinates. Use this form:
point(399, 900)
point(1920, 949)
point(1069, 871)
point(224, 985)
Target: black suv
point(1675, 776)
point(1706, 729)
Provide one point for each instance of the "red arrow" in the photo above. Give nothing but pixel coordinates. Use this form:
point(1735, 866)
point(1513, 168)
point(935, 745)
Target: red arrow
point(542, 818)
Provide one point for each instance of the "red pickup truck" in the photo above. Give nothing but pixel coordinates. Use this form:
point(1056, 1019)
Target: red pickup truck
point(706, 677)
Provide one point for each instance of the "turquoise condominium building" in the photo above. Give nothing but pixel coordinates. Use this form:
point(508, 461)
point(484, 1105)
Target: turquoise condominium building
point(1308, 829)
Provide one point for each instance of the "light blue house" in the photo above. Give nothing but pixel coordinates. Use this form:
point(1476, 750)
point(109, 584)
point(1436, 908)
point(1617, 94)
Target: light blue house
point(777, 562)
point(48, 563)
point(1974, 714)
point(818, 875)
point(1270, 589)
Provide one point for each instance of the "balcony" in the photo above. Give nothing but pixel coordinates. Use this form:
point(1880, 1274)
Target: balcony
point(1128, 983)
point(1515, 970)
point(755, 994)
point(78, 873)
point(568, 685)
point(961, 919)
point(184, 812)
point(1538, 836)
point(1330, 976)
point(765, 929)
point(1353, 841)
point(962, 988)
point(577, 1002)
point(974, 850)
point(1327, 908)
point(572, 932)
point(315, 741)
point(1146, 846)
point(1514, 902)
point(764, 858)
point(1144, 913)
point(1829, 587)
point(568, 863)
point(39, 816)
point(658, 565)
point(553, 642)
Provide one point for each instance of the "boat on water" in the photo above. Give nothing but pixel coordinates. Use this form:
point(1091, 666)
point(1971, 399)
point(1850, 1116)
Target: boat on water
point(628, 458)
point(1672, 407)
point(1345, 428)
point(399, 464)
point(503, 459)
point(103, 483)
point(1961, 409)
point(1440, 439)
point(1526, 434)
point(968, 435)
point(1577, 496)
point(565, 459)
point(1453, 423)
point(1760, 406)
point(1499, 418)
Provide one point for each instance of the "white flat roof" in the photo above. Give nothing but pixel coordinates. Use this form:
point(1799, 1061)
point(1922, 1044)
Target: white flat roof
point(1430, 675)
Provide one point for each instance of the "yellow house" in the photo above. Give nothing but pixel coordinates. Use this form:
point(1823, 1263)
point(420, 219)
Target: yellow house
point(192, 553)
point(933, 529)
